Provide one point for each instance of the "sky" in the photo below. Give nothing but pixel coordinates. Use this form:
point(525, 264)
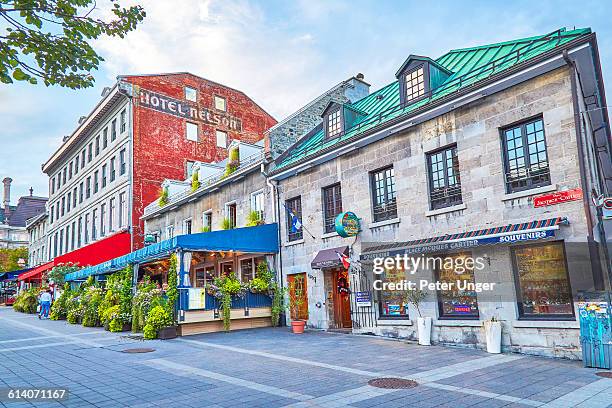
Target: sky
point(280, 53)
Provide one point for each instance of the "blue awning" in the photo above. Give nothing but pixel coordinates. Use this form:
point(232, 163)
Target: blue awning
point(262, 239)
point(12, 274)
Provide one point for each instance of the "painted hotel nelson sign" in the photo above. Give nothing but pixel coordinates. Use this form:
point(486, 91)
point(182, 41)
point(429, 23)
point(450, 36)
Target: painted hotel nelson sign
point(187, 110)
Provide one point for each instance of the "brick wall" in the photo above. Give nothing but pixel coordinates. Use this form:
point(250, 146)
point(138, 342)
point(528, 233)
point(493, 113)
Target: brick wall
point(161, 149)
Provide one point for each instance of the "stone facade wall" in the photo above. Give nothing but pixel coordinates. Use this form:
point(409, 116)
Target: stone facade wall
point(287, 132)
point(476, 131)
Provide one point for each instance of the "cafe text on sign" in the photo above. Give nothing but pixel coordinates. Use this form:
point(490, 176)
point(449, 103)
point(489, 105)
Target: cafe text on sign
point(557, 197)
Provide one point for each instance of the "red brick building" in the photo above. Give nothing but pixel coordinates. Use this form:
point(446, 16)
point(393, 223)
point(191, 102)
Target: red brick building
point(146, 128)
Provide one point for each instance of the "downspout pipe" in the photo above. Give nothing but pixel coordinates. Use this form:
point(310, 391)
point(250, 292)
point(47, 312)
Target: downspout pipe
point(276, 211)
point(598, 278)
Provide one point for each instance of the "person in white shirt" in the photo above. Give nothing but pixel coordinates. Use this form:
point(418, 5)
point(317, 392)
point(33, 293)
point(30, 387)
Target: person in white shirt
point(45, 304)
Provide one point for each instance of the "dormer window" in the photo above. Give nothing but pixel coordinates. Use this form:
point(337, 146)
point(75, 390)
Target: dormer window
point(418, 77)
point(334, 124)
point(415, 83)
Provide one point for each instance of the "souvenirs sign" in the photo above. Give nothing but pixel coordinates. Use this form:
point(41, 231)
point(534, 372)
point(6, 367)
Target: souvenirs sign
point(347, 224)
point(187, 110)
point(557, 197)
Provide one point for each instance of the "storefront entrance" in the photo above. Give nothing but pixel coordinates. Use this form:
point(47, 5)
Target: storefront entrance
point(298, 295)
point(341, 299)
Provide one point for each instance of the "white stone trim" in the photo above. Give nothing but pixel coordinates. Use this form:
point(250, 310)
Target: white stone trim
point(546, 324)
point(292, 243)
point(330, 235)
point(458, 323)
point(445, 210)
point(384, 223)
point(531, 192)
point(394, 322)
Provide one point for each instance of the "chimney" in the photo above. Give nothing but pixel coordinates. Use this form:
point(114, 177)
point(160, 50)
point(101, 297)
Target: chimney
point(7, 197)
point(358, 88)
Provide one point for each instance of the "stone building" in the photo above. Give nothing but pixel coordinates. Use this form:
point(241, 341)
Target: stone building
point(13, 233)
point(37, 239)
point(485, 153)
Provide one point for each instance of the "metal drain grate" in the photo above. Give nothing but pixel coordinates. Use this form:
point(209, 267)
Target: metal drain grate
point(138, 350)
point(604, 374)
point(392, 383)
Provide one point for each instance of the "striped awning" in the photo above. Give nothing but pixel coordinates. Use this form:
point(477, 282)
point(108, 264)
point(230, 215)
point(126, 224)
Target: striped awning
point(506, 234)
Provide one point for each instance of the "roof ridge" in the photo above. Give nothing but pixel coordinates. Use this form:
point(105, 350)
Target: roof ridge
point(508, 42)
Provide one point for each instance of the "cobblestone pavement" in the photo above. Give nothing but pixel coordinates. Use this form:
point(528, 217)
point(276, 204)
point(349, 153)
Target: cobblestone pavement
point(272, 367)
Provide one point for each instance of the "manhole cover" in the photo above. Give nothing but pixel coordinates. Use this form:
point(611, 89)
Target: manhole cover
point(138, 350)
point(604, 374)
point(392, 383)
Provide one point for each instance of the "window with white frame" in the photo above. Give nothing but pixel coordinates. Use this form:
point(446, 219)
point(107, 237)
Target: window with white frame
point(207, 221)
point(170, 231)
point(187, 226)
point(122, 210)
point(220, 103)
point(191, 94)
point(221, 139)
point(191, 131)
point(334, 126)
point(257, 202)
point(230, 214)
point(415, 84)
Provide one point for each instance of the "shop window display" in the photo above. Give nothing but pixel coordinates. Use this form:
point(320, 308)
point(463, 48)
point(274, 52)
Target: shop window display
point(456, 302)
point(543, 284)
point(393, 303)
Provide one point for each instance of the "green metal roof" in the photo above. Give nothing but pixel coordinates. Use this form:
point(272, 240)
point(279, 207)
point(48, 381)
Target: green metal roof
point(468, 65)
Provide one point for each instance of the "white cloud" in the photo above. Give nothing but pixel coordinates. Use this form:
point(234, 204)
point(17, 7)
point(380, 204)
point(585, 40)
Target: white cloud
point(231, 42)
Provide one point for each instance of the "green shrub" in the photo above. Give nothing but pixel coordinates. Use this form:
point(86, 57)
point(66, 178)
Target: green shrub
point(27, 301)
point(226, 224)
point(172, 291)
point(195, 181)
point(59, 272)
point(157, 319)
point(163, 197)
point(59, 309)
point(90, 301)
point(148, 295)
point(254, 219)
point(205, 228)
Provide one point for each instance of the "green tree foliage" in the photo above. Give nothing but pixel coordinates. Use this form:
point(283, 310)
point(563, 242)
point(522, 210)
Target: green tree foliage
point(59, 272)
point(9, 258)
point(50, 39)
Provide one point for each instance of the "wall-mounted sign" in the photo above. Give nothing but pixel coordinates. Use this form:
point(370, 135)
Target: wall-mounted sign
point(347, 224)
point(363, 299)
point(557, 197)
point(607, 208)
point(187, 110)
point(470, 243)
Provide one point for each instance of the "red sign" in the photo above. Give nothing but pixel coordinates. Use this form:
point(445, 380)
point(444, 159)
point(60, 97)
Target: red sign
point(557, 198)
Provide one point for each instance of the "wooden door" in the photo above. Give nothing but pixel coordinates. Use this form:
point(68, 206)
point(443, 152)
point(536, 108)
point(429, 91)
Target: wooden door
point(342, 300)
point(298, 294)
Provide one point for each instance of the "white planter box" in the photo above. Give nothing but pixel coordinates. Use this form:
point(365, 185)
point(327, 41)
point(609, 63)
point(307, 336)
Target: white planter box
point(424, 330)
point(493, 331)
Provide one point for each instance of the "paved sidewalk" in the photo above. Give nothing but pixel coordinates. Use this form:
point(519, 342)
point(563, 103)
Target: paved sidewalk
point(273, 368)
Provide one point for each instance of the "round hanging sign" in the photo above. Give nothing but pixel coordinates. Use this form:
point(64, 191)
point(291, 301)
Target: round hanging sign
point(347, 224)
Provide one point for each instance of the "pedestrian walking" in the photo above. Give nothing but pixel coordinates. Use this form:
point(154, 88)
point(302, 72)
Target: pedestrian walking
point(45, 304)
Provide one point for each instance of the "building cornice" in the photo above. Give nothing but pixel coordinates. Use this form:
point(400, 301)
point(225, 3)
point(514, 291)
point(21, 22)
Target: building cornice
point(101, 109)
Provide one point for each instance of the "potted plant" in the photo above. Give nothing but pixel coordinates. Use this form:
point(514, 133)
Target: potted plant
point(415, 297)
point(493, 332)
point(296, 300)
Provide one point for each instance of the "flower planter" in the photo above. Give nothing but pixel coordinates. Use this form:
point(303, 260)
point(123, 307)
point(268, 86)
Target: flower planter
point(127, 327)
point(493, 331)
point(424, 330)
point(167, 333)
point(297, 326)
